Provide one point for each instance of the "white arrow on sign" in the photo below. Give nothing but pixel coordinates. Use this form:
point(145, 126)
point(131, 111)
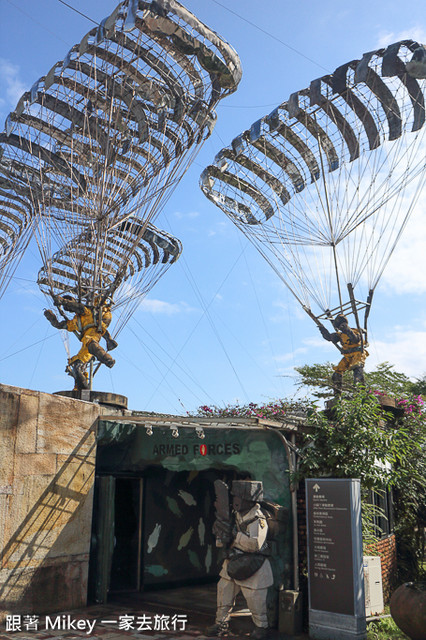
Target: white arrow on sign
point(316, 488)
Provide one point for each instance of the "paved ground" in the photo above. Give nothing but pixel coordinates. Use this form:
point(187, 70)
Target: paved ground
point(115, 622)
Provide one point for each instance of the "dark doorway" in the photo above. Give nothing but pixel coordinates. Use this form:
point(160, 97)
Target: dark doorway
point(126, 557)
point(153, 532)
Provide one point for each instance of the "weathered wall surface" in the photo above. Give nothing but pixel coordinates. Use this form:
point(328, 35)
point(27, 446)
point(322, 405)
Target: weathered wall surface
point(47, 472)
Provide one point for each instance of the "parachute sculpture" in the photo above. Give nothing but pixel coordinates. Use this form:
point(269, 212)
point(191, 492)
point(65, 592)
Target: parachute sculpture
point(101, 140)
point(15, 227)
point(125, 266)
point(325, 184)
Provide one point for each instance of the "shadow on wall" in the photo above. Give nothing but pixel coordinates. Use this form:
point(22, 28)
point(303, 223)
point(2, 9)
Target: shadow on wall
point(46, 519)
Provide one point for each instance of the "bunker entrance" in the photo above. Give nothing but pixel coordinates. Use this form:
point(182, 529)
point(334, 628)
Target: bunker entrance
point(153, 533)
point(154, 505)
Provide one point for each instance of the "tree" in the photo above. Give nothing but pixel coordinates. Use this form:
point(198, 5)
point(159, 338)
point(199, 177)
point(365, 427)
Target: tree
point(384, 451)
point(317, 378)
point(358, 439)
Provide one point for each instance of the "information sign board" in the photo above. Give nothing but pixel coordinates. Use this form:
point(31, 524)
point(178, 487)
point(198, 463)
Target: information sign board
point(335, 568)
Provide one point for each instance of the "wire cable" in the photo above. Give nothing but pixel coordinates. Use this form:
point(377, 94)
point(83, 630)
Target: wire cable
point(79, 12)
point(270, 35)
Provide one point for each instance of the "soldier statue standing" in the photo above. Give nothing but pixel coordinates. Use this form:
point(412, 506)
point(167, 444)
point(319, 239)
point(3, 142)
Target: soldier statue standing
point(246, 567)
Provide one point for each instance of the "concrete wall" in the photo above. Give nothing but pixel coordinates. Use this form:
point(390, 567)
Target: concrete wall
point(47, 471)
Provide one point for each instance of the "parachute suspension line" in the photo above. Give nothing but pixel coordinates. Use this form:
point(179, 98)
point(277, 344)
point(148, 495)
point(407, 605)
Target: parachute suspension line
point(265, 326)
point(206, 313)
point(333, 242)
point(148, 373)
point(413, 202)
point(288, 267)
point(159, 346)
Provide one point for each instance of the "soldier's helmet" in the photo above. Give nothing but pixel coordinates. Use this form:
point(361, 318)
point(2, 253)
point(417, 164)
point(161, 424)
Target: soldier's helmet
point(339, 319)
point(250, 490)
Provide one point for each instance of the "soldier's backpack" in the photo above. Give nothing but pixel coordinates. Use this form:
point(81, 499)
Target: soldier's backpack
point(276, 518)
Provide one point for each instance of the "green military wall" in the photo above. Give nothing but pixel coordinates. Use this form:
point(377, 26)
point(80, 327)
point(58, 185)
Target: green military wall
point(178, 499)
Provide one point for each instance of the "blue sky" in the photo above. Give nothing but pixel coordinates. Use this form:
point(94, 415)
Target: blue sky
point(220, 326)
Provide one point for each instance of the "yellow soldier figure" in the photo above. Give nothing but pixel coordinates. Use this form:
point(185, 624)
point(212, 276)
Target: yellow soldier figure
point(89, 331)
point(353, 351)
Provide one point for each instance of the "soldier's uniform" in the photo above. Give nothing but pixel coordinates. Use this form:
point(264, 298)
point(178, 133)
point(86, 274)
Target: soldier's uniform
point(89, 332)
point(255, 588)
point(247, 567)
point(354, 354)
point(353, 351)
point(86, 329)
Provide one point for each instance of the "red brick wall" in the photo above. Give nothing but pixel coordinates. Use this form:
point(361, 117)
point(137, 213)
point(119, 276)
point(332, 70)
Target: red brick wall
point(386, 549)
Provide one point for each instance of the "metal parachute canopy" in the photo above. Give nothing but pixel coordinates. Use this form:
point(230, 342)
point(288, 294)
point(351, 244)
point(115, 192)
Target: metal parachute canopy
point(15, 226)
point(142, 252)
point(325, 184)
point(97, 145)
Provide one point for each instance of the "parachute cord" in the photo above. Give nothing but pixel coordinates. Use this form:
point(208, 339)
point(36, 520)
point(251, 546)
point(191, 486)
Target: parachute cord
point(333, 242)
point(205, 307)
point(37, 360)
point(28, 347)
point(265, 326)
point(154, 357)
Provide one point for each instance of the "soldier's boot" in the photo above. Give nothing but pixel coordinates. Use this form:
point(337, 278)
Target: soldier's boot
point(58, 324)
point(359, 375)
point(260, 633)
point(337, 380)
point(99, 352)
point(78, 371)
point(218, 630)
point(110, 342)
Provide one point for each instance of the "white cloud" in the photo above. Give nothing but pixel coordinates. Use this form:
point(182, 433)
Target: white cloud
point(285, 357)
point(407, 266)
point(188, 214)
point(406, 350)
point(416, 32)
point(11, 85)
point(286, 310)
point(166, 308)
point(219, 229)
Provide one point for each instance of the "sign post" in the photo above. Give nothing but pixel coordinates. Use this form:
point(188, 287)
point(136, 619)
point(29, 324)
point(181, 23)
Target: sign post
point(335, 562)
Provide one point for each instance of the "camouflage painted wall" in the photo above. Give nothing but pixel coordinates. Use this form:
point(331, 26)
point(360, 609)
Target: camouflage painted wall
point(179, 474)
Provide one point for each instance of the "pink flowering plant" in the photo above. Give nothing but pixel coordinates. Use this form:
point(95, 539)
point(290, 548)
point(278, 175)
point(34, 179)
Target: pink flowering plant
point(278, 410)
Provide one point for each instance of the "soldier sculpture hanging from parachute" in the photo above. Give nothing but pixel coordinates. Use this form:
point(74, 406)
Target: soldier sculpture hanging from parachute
point(325, 184)
point(352, 349)
point(89, 326)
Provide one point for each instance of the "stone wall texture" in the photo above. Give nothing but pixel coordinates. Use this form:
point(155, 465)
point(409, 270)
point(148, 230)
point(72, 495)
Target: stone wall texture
point(47, 473)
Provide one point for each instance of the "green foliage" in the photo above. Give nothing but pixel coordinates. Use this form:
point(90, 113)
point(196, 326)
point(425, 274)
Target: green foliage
point(384, 629)
point(317, 377)
point(359, 440)
point(350, 443)
point(418, 388)
point(273, 410)
point(384, 378)
point(370, 515)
